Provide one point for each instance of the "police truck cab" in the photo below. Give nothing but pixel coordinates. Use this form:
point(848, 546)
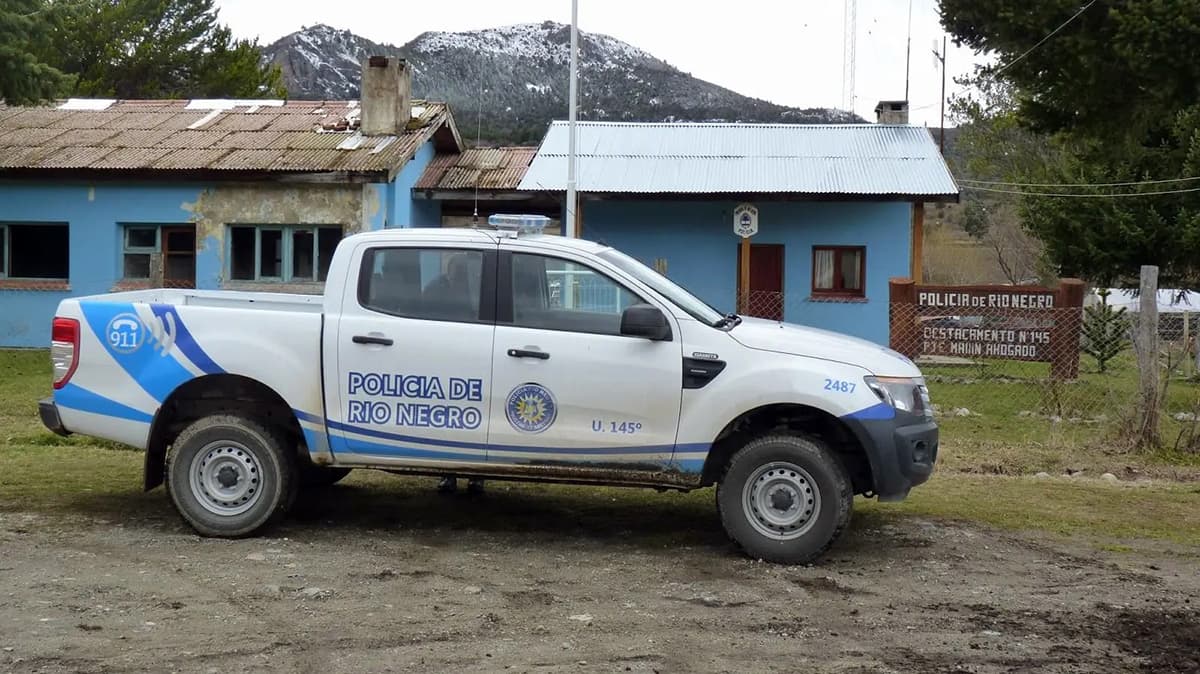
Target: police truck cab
point(497, 353)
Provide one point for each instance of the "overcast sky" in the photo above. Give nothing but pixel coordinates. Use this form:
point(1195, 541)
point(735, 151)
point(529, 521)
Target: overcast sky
point(785, 51)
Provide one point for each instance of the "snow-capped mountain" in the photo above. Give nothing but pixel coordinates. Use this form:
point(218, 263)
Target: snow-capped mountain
point(512, 80)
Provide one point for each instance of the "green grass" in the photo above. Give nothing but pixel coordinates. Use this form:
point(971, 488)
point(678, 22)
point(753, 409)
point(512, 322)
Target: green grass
point(25, 378)
point(1064, 506)
point(1010, 430)
point(42, 472)
point(106, 483)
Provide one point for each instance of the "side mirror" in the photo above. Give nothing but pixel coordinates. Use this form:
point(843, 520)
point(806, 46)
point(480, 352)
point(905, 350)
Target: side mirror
point(644, 320)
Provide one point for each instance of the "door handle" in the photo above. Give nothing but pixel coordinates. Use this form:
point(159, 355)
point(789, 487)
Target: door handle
point(369, 339)
point(526, 353)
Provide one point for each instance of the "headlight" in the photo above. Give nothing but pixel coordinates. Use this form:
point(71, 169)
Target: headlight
point(907, 394)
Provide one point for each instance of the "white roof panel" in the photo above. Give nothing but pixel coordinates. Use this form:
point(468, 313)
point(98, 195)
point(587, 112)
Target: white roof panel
point(851, 159)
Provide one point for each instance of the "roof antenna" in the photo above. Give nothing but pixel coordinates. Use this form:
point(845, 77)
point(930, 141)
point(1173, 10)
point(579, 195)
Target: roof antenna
point(908, 51)
point(478, 131)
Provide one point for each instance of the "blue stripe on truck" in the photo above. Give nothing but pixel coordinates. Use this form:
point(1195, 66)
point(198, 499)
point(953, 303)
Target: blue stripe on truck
point(437, 442)
point(876, 411)
point(76, 397)
point(155, 370)
point(184, 340)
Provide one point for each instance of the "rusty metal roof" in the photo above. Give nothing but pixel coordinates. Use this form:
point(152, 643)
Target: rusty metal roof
point(860, 160)
point(214, 135)
point(485, 168)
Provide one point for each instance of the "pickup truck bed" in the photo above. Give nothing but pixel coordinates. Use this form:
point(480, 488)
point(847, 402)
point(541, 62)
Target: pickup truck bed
point(216, 299)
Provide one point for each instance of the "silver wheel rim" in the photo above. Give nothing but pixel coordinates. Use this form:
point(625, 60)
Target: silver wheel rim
point(226, 478)
point(781, 500)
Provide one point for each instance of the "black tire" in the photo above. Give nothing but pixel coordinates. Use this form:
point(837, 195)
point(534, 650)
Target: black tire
point(252, 457)
point(784, 467)
point(313, 476)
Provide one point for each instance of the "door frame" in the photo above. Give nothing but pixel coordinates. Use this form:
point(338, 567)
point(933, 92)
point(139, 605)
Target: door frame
point(742, 294)
point(166, 253)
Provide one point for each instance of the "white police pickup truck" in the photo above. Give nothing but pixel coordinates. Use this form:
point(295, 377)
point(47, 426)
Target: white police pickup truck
point(503, 354)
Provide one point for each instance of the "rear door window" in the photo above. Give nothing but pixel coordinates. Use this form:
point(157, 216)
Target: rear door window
point(439, 284)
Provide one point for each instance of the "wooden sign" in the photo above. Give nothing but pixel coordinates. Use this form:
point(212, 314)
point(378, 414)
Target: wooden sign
point(989, 322)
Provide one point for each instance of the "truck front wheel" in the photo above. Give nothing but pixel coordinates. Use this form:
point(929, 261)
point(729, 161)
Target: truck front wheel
point(229, 476)
point(784, 498)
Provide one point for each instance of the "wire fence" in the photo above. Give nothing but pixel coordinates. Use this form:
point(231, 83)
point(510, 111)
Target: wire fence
point(1015, 366)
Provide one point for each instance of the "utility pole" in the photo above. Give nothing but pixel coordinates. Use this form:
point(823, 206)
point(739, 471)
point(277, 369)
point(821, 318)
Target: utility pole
point(941, 60)
point(568, 228)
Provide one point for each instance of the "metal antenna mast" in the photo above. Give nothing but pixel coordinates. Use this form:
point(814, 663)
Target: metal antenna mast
point(850, 40)
point(939, 59)
point(908, 51)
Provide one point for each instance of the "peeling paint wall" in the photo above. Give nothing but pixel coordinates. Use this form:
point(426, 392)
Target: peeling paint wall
point(94, 214)
point(375, 200)
point(354, 207)
point(409, 212)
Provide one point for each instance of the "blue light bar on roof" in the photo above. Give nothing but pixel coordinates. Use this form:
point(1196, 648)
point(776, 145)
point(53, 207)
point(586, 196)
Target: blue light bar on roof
point(521, 224)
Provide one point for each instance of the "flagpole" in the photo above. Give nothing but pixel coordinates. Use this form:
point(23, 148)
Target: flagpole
point(568, 228)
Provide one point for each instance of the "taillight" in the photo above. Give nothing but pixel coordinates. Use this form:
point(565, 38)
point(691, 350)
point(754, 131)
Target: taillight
point(64, 349)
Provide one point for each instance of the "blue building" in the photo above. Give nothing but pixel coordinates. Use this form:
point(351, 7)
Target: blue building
point(99, 195)
point(840, 210)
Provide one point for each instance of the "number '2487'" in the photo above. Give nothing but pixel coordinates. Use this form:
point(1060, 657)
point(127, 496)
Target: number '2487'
point(839, 385)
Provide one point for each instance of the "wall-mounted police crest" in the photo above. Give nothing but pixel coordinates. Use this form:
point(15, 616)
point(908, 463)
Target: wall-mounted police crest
point(530, 408)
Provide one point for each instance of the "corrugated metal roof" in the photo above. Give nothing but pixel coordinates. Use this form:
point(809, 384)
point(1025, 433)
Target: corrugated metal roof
point(488, 168)
point(846, 159)
point(296, 136)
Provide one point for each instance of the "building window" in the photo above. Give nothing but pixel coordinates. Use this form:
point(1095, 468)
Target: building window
point(34, 251)
point(839, 271)
point(175, 244)
point(292, 253)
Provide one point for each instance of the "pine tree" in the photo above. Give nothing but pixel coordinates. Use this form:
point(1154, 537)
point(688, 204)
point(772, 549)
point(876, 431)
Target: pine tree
point(1105, 330)
point(25, 78)
point(155, 49)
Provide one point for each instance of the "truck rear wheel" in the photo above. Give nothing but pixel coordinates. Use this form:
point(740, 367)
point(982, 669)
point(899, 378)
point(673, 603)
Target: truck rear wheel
point(229, 476)
point(784, 498)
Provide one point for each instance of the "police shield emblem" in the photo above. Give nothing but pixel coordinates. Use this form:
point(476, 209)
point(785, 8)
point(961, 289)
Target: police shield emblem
point(530, 408)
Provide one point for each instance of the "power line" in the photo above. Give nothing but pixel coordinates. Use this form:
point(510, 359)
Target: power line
point(1079, 195)
point(1128, 184)
point(960, 87)
point(1043, 40)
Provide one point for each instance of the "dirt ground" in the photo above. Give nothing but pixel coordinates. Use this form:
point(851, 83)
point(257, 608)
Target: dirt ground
point(360, 579)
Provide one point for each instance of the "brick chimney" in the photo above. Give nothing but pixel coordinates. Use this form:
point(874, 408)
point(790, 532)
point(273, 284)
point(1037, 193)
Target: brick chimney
point(386, 96)
point(891, 112)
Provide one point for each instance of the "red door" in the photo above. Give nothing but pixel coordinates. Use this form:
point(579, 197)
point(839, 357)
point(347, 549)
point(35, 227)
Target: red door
point(765, 296)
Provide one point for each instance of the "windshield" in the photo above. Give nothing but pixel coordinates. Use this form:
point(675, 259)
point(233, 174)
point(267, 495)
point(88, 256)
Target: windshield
point(696, 307)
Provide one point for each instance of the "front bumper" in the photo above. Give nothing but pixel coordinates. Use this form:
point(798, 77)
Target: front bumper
point(50, 419)
point(902, 451)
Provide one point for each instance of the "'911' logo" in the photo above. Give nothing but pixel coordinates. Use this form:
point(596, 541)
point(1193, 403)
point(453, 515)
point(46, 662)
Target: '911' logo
point(125, 333)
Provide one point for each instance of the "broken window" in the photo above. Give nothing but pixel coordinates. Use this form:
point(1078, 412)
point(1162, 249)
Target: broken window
point(174, 245)
point(292, 253)
point(34, 251)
